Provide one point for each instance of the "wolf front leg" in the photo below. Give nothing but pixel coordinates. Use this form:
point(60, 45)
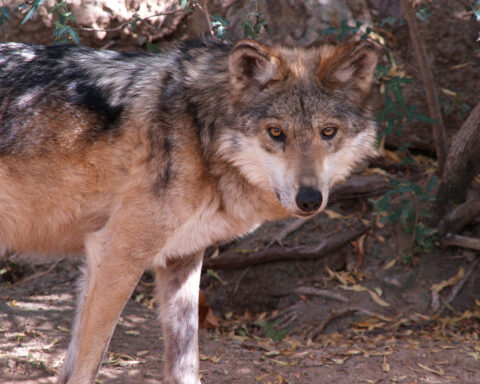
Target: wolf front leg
point(177, 291)
point(109, 279)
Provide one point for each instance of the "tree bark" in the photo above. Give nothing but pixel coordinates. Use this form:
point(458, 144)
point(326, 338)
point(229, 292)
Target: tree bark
point(463, 162)
point(234, 259)
point(431, 91)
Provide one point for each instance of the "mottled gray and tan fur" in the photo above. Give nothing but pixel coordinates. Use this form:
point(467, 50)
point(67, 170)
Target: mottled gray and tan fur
point(140, 160)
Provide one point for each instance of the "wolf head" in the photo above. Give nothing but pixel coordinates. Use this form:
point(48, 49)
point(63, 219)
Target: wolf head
point(301, 118)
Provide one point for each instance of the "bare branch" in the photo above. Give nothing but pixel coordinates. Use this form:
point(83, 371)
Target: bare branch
point(460, 216)
point(462, 241)
point(204, 9)
point(234, 259)
point(463, 162)
point(127, 23)
point(312, 291)
point(439, 132)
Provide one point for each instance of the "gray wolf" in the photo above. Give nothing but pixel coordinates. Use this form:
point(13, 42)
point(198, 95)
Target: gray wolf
point(141, 160)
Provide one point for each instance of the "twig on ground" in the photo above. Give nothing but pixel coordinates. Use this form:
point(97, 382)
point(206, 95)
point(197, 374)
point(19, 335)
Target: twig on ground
point(457, 287)
point(415, 224)
point(286, 320)
point(292, 227)
point(360, 187)
point(312, 291)
point(39, 274)
point(459, 217)
point(237, 284)
point(127, 23)
point(439, 132)
point(204, 9)
point(317, 331)
point(395, 167)
point(436, 299)
point(461, 241)
point(334, 315)
point(234, 259)
point(463, 163)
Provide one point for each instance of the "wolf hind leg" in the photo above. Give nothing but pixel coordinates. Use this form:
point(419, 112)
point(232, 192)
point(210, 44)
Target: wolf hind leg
point(109, 279)
point(177, 292)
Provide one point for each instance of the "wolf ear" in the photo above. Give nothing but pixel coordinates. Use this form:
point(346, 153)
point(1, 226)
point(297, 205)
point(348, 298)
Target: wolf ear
point(252, 63)
point(350, 66)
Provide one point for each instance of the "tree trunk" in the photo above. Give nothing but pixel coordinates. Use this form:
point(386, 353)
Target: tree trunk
point(439, 133)
point(463, 162)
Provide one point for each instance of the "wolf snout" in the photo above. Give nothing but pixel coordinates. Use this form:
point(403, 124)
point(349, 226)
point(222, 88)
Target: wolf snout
point(308, 199)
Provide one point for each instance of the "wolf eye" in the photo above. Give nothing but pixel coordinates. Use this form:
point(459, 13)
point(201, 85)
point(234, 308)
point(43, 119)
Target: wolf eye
point(328, 132)
point(276, 133)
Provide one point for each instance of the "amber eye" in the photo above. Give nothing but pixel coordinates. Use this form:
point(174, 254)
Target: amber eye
point(328, 132)
point(276, 133)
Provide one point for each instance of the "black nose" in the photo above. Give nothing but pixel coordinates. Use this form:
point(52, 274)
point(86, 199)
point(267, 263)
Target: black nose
point(308, 199)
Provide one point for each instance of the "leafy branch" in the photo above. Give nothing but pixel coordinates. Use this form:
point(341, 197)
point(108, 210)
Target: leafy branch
point(4, 17)
point(254, 23)
point(406, 210)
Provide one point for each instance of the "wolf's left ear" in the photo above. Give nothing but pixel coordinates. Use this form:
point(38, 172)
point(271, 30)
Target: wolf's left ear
point(350, 66)
point(252, 63)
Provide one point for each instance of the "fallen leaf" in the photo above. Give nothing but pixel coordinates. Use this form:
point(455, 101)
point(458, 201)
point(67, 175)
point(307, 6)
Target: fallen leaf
point(459, 66)
point(385, 365)
point(215, 275)
point(392, 156)
point(215, 253)
point(439, 371)
point(332, 214)
point(281, 363)
point(338, 360)
point(446, 283)
point(448, 92)
point(360, 288)
point(390, 264)
point(354, 288)
point(206, 317)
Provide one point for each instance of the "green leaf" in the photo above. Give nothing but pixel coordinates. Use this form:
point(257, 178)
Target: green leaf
point(393, 217)
point(476, 12)
point(368, 30)
point(329, 31)
point(5, 12)
point(59, 7)
point(383, 204)
point(248, 29)
point(74, 35)
point(220, 25)
point(423, 14)
point(388, 20)
point(152, 47)
point(32, 10)
point(185, 4)
point(4, 17)
point(432, 183)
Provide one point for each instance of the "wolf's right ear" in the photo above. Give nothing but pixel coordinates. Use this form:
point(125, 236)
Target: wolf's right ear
point(252, 63)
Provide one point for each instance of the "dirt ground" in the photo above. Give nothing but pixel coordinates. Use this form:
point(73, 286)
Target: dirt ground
point(368, 312)
point(376, 346)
